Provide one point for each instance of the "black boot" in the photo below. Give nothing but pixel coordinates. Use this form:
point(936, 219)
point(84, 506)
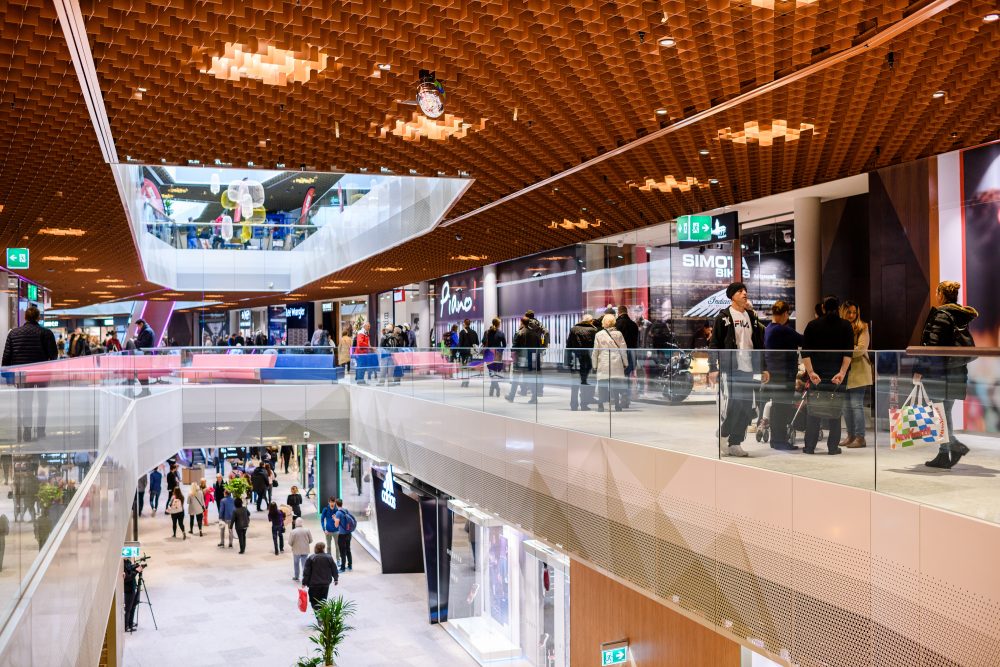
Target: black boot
point(942, 460)
point(957, 451)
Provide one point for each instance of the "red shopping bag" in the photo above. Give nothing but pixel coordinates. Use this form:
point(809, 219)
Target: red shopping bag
point(303, 600)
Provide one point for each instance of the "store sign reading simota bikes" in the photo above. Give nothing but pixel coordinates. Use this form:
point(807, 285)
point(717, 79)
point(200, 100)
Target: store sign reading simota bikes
point(455, 304)
point(389, 488)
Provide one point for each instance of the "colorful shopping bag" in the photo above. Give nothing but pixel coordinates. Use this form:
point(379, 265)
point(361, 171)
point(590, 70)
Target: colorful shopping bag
point(917, 421)
point(303, 599)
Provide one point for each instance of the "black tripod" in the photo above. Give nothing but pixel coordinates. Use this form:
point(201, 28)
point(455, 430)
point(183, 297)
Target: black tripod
point(140, 589)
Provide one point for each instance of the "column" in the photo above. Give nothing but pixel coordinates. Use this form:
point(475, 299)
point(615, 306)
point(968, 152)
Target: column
point(424, 313)
point(808, 259)
point(490, 296)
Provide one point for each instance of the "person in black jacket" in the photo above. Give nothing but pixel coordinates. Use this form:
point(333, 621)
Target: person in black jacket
point(946, 378)
point(495, 341)
point(260, 484)
point(144, 340)
point(827, 352)
point(241, 522)
point(319, 571)
point(630, 332)
point(28, 344)
point(580, 342)
point(781, 342)
point(738, 331)
point(526, 354)
point(467, 339)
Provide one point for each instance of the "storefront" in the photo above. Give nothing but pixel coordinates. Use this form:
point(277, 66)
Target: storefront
point(353, 313)
point(508, 595)
point(358, 494)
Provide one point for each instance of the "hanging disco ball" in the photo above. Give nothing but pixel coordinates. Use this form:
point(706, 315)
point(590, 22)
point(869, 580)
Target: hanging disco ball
point(430, 95)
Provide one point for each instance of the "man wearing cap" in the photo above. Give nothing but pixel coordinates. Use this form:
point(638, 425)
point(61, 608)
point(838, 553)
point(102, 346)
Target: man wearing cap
point(737, 330)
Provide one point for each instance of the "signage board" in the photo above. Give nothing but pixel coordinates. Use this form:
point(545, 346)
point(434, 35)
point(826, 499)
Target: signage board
point(32, 292)
point(110, 322)
point(17, 258)
point(398, 295)
point(246, 316)
point(327, 307)
point(389, 489)
point(695, 230)
point(614, 653)
point(130, 550)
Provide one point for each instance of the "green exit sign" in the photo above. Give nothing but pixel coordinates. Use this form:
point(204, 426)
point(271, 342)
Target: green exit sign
point(694, 228)
point(32, 292)
point(17, 258)
point(614, 656)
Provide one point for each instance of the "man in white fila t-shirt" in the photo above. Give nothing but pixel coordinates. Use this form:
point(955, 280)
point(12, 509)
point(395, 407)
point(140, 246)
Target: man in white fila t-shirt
point(737, 333)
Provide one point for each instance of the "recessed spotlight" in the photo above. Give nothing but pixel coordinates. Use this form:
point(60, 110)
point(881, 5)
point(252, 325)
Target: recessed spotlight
point(703, 151)
point(661, 112)
point(668, 42)
point(991, 18)
point(713, 181)
point(141, 90)
point(385, 67)
point(938, 94)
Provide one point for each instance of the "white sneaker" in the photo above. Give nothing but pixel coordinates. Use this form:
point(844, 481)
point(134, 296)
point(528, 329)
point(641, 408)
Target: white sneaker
point(736, 450)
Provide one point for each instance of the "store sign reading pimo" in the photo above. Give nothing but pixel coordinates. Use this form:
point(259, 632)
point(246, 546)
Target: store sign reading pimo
point(389, 488)
point(453, 303)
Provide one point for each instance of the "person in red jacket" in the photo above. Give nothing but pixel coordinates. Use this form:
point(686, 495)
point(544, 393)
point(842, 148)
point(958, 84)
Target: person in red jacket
point(362, 346)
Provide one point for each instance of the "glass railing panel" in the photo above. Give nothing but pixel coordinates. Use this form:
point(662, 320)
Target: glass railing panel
point(939, 408)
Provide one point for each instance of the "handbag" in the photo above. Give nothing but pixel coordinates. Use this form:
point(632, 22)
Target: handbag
point(274, 483)
point(303, 600)
point(917, 421)
point(825, 403)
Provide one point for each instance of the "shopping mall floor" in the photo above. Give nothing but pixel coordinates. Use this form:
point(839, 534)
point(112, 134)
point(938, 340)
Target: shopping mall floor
point(216, 607)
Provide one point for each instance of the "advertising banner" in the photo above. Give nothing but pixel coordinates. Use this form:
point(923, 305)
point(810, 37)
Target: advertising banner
point(457, 297)
point(299, 319)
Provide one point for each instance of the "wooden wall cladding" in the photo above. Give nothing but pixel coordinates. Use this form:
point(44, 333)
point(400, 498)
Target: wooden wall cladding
point(603, 610)
point(578, 75)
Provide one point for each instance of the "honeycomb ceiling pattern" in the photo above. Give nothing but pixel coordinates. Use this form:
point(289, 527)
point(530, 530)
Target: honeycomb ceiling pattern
point(580, 77)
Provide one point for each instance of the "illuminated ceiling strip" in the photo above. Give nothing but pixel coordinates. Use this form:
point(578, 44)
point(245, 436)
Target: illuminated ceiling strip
point(71, 20)
point(890, 32)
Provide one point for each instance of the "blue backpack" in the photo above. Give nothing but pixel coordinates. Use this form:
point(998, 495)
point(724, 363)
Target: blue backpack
point(350, 523)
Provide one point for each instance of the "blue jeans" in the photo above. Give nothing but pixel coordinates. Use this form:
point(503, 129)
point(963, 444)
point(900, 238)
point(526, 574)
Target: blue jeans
point(300, 561)
point(854, 412)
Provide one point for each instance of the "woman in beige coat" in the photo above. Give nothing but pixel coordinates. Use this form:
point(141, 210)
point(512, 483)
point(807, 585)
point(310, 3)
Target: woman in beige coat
point(344, 349)
point(610, 359)
point(859, 378)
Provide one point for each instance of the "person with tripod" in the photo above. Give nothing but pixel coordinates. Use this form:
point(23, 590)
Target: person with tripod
point(133, 579)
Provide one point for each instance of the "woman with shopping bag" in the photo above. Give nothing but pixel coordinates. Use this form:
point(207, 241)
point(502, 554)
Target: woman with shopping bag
point(945, 378)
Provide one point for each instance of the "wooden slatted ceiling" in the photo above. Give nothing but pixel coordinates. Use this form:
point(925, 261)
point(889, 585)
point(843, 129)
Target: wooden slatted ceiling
point(578, 74)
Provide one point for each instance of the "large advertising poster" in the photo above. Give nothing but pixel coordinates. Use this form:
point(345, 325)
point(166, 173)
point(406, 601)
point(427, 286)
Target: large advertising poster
point(456, 298)
point(981, 247)
point(214, 328)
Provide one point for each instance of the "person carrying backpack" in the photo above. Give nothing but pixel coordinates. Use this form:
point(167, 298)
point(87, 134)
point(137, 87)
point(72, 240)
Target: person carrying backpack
point(346, 523)
point(946, 378)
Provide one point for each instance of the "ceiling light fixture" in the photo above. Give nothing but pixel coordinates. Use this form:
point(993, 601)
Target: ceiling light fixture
point(661, 112)
point(86, 270)
point(669, 183)
point(273, 66)
point(765, 133)
point(141, 90)
point(713, 181)
point(668, 42)
point(387, 269)
point(703, 151)
point(468, 258)
point(938, 94)
point(59, 258)
point(430, 94)
point(449, 127)
point(569, 224)
point(991, 18)
point(56, 231)
point(385, 67)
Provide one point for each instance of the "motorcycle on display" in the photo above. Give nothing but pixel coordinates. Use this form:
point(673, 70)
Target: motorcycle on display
point(674, 373)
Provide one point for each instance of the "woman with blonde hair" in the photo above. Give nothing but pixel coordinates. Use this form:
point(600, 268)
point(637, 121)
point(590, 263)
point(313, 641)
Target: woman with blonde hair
point(610, 357)
point(859, 377)
point(196, 507)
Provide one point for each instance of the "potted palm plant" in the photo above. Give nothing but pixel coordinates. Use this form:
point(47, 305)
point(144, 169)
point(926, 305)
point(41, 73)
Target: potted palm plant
point(329, 631)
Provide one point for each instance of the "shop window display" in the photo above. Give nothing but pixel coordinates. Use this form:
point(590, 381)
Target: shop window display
point(359, 498)
point(508, 596)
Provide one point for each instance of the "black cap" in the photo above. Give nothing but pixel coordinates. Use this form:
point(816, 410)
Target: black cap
point(734, 288)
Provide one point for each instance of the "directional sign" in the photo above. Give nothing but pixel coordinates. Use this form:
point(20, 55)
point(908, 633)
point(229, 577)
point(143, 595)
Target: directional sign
point(614, 656)
point(694, 228)
point(17, 258)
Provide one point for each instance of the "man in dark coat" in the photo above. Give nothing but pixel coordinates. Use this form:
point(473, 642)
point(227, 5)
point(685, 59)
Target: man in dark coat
point(28, 344)
point(259, 482)
point(526, 352)
point(319, 572)
point(630, 332)
point(144, 340)
point(827, 350)
point(581, 344)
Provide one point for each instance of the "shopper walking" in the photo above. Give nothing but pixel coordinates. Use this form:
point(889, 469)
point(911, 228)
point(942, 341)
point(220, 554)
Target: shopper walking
point(736, 334)
point(345, 527)
point(344, 349)
point(208, 493)
point(196, 507)
point(277, 519)
point(227, 508)
point(496, 342)
point(328, 522)
point(294, 500)
point(362, 347)
point(610, 358)
point(946, 378)
point(27, 344)
point(630, 332)
point(271, 480)
point(319, 571)
point(259, 483)
point(175, 508)
point(155, 484)
point(580, 343)
point(468, 340)
point(172, 481)
point(781, 343)
point(286, 456)
point(241, 522)
point(827, 353)
point(218, 490)
point(859, 378)
point(300, 541)
point(525, 348)
point(140, 492)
